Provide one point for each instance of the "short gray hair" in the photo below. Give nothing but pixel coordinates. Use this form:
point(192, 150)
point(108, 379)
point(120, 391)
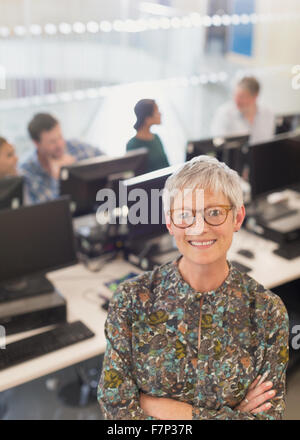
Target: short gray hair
point(249, 83)
point(205, 172)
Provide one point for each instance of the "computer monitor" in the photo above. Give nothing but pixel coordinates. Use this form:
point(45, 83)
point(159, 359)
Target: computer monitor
point(286, 123)
point(145, 219)
point(11, 192)
point(235, 152)
point(210, 147)
point(274, 165)
point(37, 239)
point(227, 149)
point(82, 180)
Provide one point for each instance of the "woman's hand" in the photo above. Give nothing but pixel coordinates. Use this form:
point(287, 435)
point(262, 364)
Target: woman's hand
point(255, 400)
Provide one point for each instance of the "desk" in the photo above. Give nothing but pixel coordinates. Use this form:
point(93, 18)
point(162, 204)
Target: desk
point(80, 287)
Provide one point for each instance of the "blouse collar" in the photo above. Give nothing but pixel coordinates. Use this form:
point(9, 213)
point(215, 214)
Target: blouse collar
point(185, 288)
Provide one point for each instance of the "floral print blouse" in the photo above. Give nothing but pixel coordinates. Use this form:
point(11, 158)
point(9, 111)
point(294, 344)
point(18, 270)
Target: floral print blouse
point(168, 340)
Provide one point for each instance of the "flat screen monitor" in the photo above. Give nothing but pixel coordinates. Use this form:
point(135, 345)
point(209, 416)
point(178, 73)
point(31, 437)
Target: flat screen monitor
point(210, 147)
point(286, 123)
point(274, 165)
point(35, 240)
point(226, 149)
point(145, 218)
point(82, 181)
point(11, 192)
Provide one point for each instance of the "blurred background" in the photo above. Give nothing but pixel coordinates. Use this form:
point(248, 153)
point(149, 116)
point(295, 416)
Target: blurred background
point(89, 61)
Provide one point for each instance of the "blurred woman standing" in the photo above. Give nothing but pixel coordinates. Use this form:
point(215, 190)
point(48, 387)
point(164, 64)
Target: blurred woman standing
point(148, 114)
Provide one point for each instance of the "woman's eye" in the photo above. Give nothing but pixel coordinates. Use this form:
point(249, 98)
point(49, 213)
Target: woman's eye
point(185, 214)
point(214, 213)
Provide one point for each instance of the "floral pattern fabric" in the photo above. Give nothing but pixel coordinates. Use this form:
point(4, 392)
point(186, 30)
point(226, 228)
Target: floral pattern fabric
point(156, 344)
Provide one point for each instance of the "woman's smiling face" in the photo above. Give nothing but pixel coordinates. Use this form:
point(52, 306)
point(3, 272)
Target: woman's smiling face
point(202, 243)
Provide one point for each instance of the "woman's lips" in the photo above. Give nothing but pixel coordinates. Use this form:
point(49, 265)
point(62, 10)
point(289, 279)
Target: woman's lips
point(201, 244)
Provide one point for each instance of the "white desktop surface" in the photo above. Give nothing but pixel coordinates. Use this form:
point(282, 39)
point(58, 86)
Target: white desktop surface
point(269, 269)
point(80, 288)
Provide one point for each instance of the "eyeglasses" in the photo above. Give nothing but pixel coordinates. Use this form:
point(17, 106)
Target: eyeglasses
point(213, 216)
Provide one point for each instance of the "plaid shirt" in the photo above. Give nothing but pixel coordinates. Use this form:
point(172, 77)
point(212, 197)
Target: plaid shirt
point(39, 185)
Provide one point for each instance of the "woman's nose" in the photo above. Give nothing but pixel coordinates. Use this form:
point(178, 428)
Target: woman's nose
point(197, 227)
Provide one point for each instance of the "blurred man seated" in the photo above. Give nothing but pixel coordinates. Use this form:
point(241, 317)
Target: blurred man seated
point(41, 169)
point(245, 115)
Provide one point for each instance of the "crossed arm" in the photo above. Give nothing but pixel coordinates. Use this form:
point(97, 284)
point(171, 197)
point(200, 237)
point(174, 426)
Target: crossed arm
point(256, 402)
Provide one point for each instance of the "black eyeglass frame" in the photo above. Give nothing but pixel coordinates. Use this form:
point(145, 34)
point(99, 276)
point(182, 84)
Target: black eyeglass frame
point(226, 207)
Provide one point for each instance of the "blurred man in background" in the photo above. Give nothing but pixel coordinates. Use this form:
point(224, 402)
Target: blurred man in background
point(244, 114)
point(41, 169)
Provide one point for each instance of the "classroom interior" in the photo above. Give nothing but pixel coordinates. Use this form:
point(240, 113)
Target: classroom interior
point(88, 65)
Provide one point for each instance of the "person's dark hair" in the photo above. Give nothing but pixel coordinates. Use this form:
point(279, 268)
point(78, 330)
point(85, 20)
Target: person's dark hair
point(143, 109)
point(2, 141)
point(251, 84)
point(41, 122)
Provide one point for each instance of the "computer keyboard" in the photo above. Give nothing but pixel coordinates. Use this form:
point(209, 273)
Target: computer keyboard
point(44, 343)
point(241, 267)
point(289, 250)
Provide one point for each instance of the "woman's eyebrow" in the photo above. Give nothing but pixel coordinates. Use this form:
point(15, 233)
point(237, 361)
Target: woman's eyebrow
point(214, 205)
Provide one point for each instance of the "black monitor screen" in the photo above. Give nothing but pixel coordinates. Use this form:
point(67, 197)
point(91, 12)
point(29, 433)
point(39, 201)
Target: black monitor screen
point(286, 123)
point(274, 165)
point(225, 149)
point(147, 214)
point(203, 146)
point(11, 192)
point(36, 239)
point(84, 179)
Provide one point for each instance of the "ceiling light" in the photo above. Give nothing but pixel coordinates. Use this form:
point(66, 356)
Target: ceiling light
point(78, 27)
point(4, 31)
point(235, 19)
point(50, 29)
point(176, 22)
point(35, 29)
point(216, 20)
point(207, 21)
point(164, 23)
point(105, 26)
point(92, 27)
point(153, 23)
point(20, 31)
point(226, 20)
point(65, 28)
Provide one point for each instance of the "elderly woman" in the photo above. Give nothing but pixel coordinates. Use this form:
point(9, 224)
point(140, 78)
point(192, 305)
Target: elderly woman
point(196, 338)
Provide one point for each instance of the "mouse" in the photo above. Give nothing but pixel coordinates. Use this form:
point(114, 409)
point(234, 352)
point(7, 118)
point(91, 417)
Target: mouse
point(246, 253)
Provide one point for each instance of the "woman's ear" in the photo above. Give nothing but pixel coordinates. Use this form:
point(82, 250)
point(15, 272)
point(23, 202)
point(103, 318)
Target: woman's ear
point(240, 216)
point(168, 223)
